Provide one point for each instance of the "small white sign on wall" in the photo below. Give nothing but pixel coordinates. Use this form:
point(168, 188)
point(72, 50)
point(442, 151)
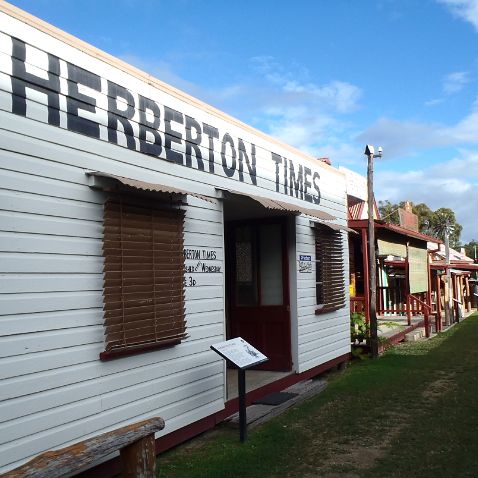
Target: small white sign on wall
point(305, 264)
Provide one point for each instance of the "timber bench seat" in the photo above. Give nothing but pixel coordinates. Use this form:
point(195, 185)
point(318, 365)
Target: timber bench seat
point(135, 443)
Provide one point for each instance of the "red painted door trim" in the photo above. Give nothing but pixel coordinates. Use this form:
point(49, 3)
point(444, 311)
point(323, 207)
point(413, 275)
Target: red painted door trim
point(267, 327)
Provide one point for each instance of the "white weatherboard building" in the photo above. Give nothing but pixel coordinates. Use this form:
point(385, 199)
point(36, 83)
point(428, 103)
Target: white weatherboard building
point(138, 226)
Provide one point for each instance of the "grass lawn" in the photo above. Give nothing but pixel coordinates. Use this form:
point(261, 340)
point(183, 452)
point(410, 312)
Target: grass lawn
point(412, 413)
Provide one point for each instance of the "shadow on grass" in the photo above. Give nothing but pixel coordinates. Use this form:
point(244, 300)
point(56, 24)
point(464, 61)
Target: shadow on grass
point(411, 413)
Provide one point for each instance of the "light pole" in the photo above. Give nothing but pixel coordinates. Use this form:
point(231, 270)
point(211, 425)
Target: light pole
point(370, 153)
point(448, 302)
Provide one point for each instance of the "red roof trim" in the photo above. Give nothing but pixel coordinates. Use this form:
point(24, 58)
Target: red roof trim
point(454, 265)
point(363, 224)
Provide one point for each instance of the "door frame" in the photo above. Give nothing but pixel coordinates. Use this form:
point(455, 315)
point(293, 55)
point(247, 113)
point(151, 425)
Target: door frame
point(229, 242)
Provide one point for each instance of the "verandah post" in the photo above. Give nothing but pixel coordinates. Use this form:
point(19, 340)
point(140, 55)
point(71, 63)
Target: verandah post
point(467, 292)
point(439, 315)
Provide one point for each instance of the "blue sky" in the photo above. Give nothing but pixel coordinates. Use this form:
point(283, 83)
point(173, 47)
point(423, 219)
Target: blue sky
point(325, 76)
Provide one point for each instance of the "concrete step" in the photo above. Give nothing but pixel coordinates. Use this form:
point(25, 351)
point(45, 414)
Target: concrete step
point(257, 414)
point(415, 335)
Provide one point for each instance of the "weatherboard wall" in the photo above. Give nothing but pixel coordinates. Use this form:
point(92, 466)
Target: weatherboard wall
point(54, 390)
point(326, 336)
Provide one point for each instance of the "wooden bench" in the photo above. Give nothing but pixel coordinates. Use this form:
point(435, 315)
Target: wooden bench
point(135, 443)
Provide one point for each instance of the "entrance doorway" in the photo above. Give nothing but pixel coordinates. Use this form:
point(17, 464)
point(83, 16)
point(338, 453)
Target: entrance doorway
point(258, 307)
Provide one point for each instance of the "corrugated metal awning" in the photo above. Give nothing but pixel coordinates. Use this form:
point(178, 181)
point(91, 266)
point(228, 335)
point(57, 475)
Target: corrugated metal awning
point(282, 205)
point(143, 185)
point(331, 225)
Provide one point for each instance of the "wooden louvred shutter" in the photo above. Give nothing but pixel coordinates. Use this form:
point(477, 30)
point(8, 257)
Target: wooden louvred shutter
point(143, 276)
point(330, 284)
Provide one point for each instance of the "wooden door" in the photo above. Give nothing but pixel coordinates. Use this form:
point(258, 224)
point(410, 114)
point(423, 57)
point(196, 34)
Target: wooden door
point(258, 289)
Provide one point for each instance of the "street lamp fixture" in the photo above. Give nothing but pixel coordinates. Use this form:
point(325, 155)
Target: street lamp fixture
point(372, 312)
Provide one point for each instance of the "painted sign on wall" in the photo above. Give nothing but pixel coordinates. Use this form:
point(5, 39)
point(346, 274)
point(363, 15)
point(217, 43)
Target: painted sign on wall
point(84, 102)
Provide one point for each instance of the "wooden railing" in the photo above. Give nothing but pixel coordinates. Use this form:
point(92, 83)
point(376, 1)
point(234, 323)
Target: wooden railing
point(425, 310)
point(357, 304)
point(417, 303)
point(391, 300)
point(394, 301)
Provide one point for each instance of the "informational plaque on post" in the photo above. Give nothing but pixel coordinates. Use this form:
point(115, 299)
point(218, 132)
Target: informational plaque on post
point(241, 353)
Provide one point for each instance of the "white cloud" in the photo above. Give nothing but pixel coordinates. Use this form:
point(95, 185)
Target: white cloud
point(306, 114)
point(434, 102)
point(400, 138)
point(288, 104)
point(344, 154)
point(163, 71)
point(293, 83)
point(281, 100)
point(451, 84)
point(448, 184)
point(407, 137)
point(466, 130)
point(454, 82)
point(465, 9)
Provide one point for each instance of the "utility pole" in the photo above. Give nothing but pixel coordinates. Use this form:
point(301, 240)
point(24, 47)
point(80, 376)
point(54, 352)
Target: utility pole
point(448, 288)
point(372, 266)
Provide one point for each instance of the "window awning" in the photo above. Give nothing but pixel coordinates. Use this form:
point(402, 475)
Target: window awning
point(331, 225)
point(281, 205)
point(97, 180)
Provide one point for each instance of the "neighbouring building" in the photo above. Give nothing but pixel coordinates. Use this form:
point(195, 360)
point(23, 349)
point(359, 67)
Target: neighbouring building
point(462, 289)
point(411, 266)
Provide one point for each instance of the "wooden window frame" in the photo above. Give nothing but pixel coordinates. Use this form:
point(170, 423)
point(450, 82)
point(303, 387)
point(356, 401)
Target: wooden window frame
point(143, 288)
point(329, 270)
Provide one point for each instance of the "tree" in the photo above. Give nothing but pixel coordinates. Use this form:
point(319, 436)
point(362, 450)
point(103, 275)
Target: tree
point(388, 212)
point(440, 220)
point(471, 249)
point(425, 215)
point(430, 222)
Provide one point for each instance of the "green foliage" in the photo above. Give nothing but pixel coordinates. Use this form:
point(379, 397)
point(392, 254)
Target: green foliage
point(361, 353)
point(390, 324)
point(443, 218)
point(359, 328)
point(471, 249)
point(430, 222)
point(388, 212)
point(425, 215)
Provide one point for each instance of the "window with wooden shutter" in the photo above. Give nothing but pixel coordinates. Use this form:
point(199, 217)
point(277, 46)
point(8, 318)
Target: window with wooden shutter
point(330, 284)
point(143, 276)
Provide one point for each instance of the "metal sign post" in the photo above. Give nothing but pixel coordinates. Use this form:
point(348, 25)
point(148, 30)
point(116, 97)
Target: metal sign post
point(243, 355)
point(241, 382)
